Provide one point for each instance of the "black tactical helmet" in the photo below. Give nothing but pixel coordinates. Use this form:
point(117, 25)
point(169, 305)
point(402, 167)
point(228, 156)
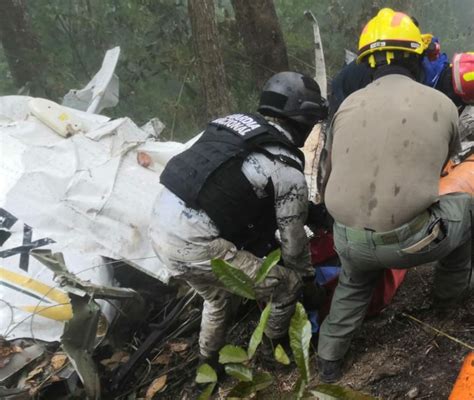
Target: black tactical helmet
point(296, 99)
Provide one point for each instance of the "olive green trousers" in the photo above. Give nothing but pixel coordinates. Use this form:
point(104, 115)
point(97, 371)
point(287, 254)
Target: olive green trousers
point(442, 234)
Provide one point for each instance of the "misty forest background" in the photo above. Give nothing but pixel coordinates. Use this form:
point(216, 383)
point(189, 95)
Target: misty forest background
point(186, 61)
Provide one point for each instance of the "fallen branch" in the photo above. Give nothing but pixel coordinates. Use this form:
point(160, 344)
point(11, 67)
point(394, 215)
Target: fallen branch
point(439, 332)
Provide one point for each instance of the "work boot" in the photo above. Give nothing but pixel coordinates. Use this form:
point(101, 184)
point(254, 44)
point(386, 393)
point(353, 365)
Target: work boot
point(445, 307)
point(329, 371)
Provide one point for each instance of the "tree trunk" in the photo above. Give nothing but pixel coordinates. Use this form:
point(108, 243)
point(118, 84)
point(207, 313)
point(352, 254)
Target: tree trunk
point(21, 46)
point(262, 36)
point(209, 57)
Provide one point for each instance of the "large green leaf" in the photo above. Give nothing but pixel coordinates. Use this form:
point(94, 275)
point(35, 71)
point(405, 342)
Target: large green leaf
point(244, 390)
point(300, 337)
point(206, 374)
point(281, 356)
point(257, 334)
point(207, 392)
point(232, 354)
point(336, 392)
point(299, 390)
point(235, 280)
point(270, 261)
point(239, 371)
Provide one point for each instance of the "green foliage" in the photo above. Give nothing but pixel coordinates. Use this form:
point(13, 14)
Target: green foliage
point(270, 261)
point(235, 358)
point(299, 389)
point(239, 371)
point(257, 334)
point(206, 374)
point(232, 354)
point(235, 280)
point(281, 356)
point(157, 70)
point(6, 81)
point(156, 66)
point(330, 392)
point(300, 338)
point(342, 21)
point(244, 390)
point(207, 392)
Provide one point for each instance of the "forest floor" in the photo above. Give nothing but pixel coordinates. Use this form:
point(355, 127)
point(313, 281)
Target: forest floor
point(395, 357)
point(391, 357)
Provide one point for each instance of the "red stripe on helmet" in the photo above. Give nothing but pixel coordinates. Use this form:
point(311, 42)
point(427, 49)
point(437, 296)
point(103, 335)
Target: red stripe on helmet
point(397, 19)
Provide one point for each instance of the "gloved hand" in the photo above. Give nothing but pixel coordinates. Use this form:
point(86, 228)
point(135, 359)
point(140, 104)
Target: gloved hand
point(318, 216)
point(314, 295)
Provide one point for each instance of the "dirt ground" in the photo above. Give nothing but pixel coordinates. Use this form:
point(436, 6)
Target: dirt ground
point(395, 357)
point(392, 356)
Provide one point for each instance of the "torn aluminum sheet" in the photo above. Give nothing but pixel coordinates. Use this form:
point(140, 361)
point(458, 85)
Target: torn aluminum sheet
point(78, 341)
point(349, 56)
point(71, 283)
point(102, 91)
point(19, 360)
point(84, 196)
point(320, 64)
point(153, 127)
point(32, 303)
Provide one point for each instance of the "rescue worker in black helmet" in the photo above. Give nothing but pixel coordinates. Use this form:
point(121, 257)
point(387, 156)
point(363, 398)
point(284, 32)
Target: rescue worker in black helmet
point(226, 196)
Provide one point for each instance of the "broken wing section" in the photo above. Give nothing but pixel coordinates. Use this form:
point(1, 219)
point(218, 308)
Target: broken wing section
point(85, 196)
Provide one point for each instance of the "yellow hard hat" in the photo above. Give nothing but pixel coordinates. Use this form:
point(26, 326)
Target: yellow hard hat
point(426, 38)
point(389, 30)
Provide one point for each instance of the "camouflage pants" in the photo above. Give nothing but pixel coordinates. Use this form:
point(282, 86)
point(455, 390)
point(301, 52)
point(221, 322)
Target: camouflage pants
point(281, 286)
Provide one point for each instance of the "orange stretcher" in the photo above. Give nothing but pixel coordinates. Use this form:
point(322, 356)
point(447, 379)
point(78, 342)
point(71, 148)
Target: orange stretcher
point(458, 178)
point(464, 386)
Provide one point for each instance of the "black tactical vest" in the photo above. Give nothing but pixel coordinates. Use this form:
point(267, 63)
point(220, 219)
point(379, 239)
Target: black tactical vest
point(208, 176)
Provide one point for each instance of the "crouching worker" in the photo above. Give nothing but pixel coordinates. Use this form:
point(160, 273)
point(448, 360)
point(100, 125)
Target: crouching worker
point(390, 143)
point(226, 196)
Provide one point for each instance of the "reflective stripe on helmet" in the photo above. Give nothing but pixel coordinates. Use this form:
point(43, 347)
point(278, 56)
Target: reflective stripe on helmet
point(390, 44)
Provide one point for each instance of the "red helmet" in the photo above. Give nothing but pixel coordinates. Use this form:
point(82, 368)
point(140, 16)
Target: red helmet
point(463, 76)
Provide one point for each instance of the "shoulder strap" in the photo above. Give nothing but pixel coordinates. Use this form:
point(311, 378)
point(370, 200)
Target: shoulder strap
point(282, 158)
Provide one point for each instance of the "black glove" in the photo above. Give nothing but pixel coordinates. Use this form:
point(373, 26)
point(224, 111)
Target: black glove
point(318, 216)
point(314, 295)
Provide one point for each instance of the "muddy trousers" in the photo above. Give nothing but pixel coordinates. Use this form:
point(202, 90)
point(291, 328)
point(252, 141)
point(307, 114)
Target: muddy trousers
point(282, 287)
point(365, 254)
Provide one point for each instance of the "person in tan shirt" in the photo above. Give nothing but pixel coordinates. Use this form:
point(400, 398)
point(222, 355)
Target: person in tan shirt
point(392, 139)
point(390, 142)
